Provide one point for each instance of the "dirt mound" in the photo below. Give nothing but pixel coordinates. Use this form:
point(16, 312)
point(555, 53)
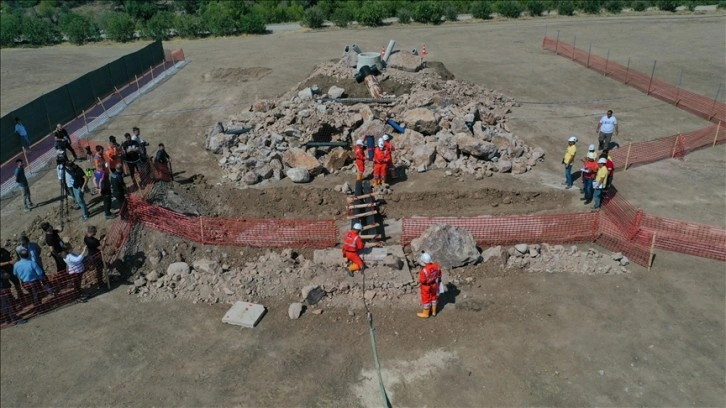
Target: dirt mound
point(236, 75)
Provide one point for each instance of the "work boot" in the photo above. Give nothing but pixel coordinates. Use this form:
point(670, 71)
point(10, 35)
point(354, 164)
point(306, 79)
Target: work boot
point(352, 268)
point(433, 310)
point(424, 314)
point(358, 177)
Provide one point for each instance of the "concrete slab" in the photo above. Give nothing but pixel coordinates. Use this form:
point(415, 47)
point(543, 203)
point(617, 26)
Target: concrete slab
point(373, 255)
point(244, 314)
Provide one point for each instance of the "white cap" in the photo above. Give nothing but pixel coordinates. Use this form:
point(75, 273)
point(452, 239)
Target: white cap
point(359, 142)
point(357, 226)
point(572, 139)
point(425, 258)
point(380, 143)
point(602, 161)
point(591, 148)
point(386, 137)
point(591, 155)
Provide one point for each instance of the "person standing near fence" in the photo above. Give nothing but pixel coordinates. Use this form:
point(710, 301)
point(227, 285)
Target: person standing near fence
point(76, 268)
point(136, 136)
point(33, 249)
point(132, 157)
point(31, 275)
point(114, 152)
point(429, 279)
point(22, 182)
point(102, 183)
point(601, 179)
point(55, 245)
point(568, 160)
point(607, 125)
point(162, 163)
point(61, 134)
point(118, 186)
point(608, 165)
point(22, 133)
point(589, 170)
point(94, 260)
point(76, 181)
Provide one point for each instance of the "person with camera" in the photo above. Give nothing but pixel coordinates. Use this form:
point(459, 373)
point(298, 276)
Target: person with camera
point(63, 140)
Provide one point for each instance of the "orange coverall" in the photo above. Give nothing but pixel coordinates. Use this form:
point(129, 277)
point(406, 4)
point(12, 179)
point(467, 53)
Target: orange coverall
point(390, 148)
point(429, 278)
point(352, 244)
point(380, 163)
point(360, 159)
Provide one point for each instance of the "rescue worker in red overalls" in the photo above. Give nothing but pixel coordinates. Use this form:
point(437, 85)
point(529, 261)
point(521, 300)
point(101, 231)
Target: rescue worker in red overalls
point(429, 279)
point(381, 157)
point(360, 159)
point(389, 146)
point(352, 245)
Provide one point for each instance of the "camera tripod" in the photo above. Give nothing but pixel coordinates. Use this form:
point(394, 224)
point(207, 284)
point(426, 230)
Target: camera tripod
point(64, 210)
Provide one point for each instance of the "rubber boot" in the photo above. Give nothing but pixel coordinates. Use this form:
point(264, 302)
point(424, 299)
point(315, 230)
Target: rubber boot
point(352, 268)
point(433, 310)
point(359, 177)
point(424, 314)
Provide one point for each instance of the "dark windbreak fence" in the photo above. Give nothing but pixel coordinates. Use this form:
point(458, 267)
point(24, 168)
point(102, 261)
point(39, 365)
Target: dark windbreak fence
point(69, 101)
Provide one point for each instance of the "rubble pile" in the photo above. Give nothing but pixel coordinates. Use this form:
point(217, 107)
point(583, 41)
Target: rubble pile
point(557, 258)
point(449, 124)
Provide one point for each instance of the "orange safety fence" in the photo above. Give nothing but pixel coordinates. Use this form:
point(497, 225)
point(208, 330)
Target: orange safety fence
point(266, 233)
point(707, 108)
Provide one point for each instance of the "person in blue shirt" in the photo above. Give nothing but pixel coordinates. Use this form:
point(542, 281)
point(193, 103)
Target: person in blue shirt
point(20, 131)
point(22, 181)
point(31, 275)
point(33, 249)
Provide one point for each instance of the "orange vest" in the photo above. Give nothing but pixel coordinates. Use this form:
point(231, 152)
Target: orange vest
point(381, 156)
point(360, 153)
point(388, 146)
point(430, 274)
point(352, 242)
point(592, 166)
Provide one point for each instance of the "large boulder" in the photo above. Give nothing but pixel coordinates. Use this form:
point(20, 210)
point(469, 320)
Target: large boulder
point(178, 268)
point(217, 140)
point(373, 127)
point(298, 175)
point(422, 120)
point(405, 61)
point(336, 159)
point(408, 140)
point(449, 246)
point(296, 157)
point(475, 147)
point(424, 154)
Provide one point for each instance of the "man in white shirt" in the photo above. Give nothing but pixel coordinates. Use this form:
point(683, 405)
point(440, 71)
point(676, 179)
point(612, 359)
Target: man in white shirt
point(76, 268)
point(605, 128)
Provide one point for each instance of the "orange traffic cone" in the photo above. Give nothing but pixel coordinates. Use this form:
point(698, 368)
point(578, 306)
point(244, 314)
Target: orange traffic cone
point(423, 51)
point(383, 51)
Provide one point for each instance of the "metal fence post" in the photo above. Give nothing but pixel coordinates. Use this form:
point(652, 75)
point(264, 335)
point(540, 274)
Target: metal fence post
point(678, 89)
point(607, 61)
point(713, 106)
point(651, 76)
point(557, 42)
point(627, 71)
point(573, 47)
point(589, 50)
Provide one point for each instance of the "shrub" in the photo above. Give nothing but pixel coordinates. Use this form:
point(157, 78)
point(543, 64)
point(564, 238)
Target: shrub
point(158, 26)
point(722, 4)
point(252, 23)
point(614, 6)
point(140, 9)
point(591, 6)
point(404, 16)
point(39, 31)
point(667, 5)
point(314, 17)
point(640, 6)
point(427, 12)
point(186, 25)
point(218, 19)
point(370, 14)
point(509, 8)
point(482, 10)
point(535, 8)
point(566, 8)
point(120, 27)
point(79, 29)
point(10, 28)
point(451, 13)
point(341, 17)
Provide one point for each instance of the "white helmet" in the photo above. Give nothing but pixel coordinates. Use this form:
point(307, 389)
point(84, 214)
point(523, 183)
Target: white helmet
point(591, 155)
point(425, 258)
point(572, 139)
point(380, 143)
point(359, 142)
point(602, 161)
point(386, 137)
point(357, 226)
point(591, 148)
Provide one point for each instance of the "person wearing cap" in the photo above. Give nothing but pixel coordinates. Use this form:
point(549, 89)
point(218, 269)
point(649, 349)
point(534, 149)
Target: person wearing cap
point(360, 159)
point(609, 165)
point(389, 146)
point(607, 125)
point(601, 179)
point(569, 159)
point(429, 279)
point(352, 245)
point(588, 171)
point(381, 158)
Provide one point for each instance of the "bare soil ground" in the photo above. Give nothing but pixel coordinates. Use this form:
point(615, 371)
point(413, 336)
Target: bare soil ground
point(506, 338)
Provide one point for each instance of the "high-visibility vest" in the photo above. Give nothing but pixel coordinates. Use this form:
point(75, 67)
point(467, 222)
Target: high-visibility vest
point(352, 242)
point(380, 157)
point(431, 274)
point(360, 153)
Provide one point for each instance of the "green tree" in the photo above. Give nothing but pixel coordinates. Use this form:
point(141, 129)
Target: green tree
point(428, 12)
point(404, 16)
point(77, 28)
point(509, 8)
point(451, 13)
point(482, 10)
point(219, 19)
point(252, 23)
point(371, 14)
point(158, 27)
point(342, 16)
point(591, 6)
point(187, 25)
point(48, 9)
point(535, 7)
point(314, 17)
point(614, 6)
point(39, 31)
point(120, 27)
point(10, 28)
point(141, 10)
point(640, 5)
point(667, 5)
point(566, 8)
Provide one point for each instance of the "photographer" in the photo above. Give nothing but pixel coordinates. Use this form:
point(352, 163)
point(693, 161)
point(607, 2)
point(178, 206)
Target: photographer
point(63, 140)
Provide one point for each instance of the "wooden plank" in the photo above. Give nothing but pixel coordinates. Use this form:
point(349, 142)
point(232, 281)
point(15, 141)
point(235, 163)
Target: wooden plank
point(365, 205)
point(367, 227)
point(361, 215)
point(370, 236)
point(360, 197)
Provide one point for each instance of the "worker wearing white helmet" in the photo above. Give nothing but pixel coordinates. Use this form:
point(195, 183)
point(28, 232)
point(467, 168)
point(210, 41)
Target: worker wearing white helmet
point(360, 159)
point(381, 157)
point(588, 171)
point(601, 179)
point(429, 278)
point(352, 245)
point(568, 160)
point(389, 146)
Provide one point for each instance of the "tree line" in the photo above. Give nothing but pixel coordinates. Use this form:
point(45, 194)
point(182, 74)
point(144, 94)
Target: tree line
point(46, 22)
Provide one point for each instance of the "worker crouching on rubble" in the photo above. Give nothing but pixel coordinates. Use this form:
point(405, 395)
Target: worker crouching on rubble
point(352, 245)
point(360, 159)
point(429, 279)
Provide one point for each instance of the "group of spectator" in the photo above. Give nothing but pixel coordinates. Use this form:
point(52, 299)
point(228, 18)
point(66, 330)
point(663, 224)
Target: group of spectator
point(27, 275)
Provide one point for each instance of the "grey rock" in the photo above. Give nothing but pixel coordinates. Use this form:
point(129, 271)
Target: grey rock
point(522, 248)
point(422, 120)
point(405, 61)
point(336, 92)
point(307, 289)
point(152, 276)
point(305, 94)
point(294, 311)
point(617, 256)
point(300, 158)
point(206, 265)
point(504, 166)
point(139, 282)
point(449, 246)
point(424, 154)
point(475, 147)
point(298, 175)
point(624, 261)
point(178, 268)
point(251, 178)
point(217, 141)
